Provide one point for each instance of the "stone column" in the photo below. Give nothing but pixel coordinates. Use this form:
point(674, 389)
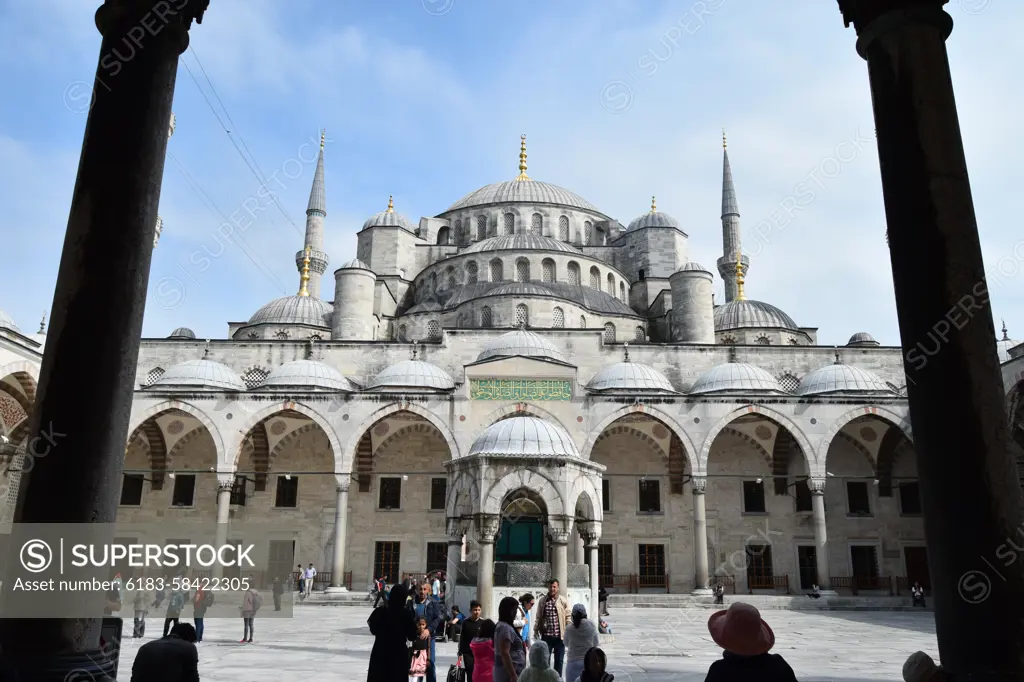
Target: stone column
point(97, 310)
point(579, 548)
point(969, 485)
point(487, 528)
point(558, 539)
point(340, 534)
point(456, 533)
point(700, 537)
point(817, 486)
point(225, 482)
point(591, 536)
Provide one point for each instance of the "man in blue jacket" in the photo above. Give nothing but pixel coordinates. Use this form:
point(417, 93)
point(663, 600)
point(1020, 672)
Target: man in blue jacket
point(426, 607)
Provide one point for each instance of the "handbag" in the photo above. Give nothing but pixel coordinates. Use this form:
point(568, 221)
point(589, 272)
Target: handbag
point(457, 673)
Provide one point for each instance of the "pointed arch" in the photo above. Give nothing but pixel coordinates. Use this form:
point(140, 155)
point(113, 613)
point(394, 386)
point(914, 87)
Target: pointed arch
point(883, 413)
point(583, 488)
point(463, 496)
point(137, 421)
point(349, 451)
point(668, 421)
point(531, 480)
point(252, 420)
point(782, 420)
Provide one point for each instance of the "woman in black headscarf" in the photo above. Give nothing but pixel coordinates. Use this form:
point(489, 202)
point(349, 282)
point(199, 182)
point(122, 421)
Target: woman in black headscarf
point(391, 626)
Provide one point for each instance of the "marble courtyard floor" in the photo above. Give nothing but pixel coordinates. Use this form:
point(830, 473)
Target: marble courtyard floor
point(323, 643)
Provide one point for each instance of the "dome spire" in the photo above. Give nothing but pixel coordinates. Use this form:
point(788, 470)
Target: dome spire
point(304, 278)
point(654, 204)
point(42, 326)
point(415, 350)
point(725, 144)
point(522, 159)
point(740, 296)
point(1006, 336)
point(625, 347)
point(391, 204)
point(835, 349)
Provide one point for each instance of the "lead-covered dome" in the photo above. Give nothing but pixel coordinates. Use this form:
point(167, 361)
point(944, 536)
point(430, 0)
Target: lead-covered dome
point(199, 374)
point(746, 314)
point(842, 379)
point(6, 322)
point(182, 333)
point(652, 218)
point(389, 218)
point(862, 339)
point(412, 375)
point(736, 377)
point(355, 264)
point(521, 343)
point(306, 310)
point(631, 376)
point(692, 267)
point(307, 375)
point(524, 436)
point(1003, 345)
point(522, 192)
point(521, 242)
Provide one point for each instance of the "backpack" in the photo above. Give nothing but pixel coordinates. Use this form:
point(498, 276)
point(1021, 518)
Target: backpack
point(177, 602)
point(257, 602)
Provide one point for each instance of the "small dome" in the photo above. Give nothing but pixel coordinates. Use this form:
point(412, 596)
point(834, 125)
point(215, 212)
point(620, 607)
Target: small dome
point(355, 264)
point(1003, 345)
point(522, 192)
point(200, 374)
point(693, 267)
point(6, 322)
point(521, 343)
point(519, 436)
point(389, 218)
point(748, 314)
point(307, 374)
point(736, 377)
point(862, 339)
point(182, 333)
point(837, 378)
point(653, 219)
point(295, 310)
point(412, 374)
point(630, 376)
point(521, 242)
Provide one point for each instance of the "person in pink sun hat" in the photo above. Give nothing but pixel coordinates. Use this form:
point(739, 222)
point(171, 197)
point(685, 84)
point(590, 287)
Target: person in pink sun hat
point(746, 639)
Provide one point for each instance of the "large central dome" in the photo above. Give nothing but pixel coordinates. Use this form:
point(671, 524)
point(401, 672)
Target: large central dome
point(522, 192)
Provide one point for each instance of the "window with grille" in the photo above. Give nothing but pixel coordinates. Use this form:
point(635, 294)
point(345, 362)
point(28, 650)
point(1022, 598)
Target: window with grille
point(437, 557)
point(864, 559)
point(793, 341)
point(729, 341)
point(547, 270)
point(522, 315)
point(857, 498)
point(807, 563)
point(641, 276)
point(510, 223)
point(557, 318)
point(588, 233)
point(537, 224)
point(652, 565)
point(385, 560)
point(238, 491)
point(433, 330)
point(438, 492)
point(485, 317)
point(522, 270)
point(574, 274)
point(583, 322)
point(606, 495)
point(595, 279)
point(753, 497)
point(390, 496)
point(403, 333)
point(281, 336)
point(605, 567)
point(650, 496)
point(611, 284)
point(763, 341)
point(255, 377)
point(153, 375)
point(184, 490)
point(802, 492)
point(788, 382)
point(910, 498)
point(759, 566)
point(563, 228)
point(287, 493)
point(458, 232)
point(609, 332)
point(471, 273)
point(497, 272)
point(639, 334)
point(622, 292)
point(131, 490)
point(481, 228)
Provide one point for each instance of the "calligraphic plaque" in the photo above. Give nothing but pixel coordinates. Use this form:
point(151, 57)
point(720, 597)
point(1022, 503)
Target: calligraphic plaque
point(520, 389)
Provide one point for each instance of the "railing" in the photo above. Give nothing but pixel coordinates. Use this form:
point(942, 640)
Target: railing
point(728, 582)
point(653, 581)
point(767, 582)
point(620, 581)
point(856, 584)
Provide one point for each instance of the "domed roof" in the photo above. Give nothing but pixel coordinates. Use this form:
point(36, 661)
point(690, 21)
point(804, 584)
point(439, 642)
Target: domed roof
point(355, 264)
point(518, 436)
point(308, 374)
point(7, 323)
point(521, 343)
point(838, 378)
point(522, 192)
point(295, 310)
point(199, 374)
point(630, 376)
point(862, 339)
point(751, 314)
point(652, 219)
point(736, 377)
point(692, 267)
point(389, 218)
point(1003, 345)
point(521, 242)
point(182, 333)
point(412, 374)
point(590, 299)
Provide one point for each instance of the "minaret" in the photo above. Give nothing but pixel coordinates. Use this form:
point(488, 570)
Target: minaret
point(159, 220)
point(316, 212)
point(727, 264)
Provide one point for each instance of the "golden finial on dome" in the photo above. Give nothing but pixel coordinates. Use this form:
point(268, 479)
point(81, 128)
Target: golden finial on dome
point(1006, 336)
point(739, 277)
point(391, 204)
point(522, 160)
point(304, 278)
point(654, 205)
point(725, 145)
point(323, 137)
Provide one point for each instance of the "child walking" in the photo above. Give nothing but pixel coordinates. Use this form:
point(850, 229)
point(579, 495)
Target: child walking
point(420, 654)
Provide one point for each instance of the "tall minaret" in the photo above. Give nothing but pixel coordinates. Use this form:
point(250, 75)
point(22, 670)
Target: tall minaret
point(730, 230)
point(316, 211)
point(159, 220)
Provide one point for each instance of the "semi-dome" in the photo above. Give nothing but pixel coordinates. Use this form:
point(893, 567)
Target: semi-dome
point(692, 267)
point(295, 310)
point(307, 374)
point(862, 339)
point(521, 343)
point(631, 376)
point(519, 289)
point(652, 219)
point(355, 264)
point(524, 436)
point(182, 333)
point(521, 242)
point(746, 314)
point(522, 192)
point(587, 298)
point(736, 377)
point(412, 374)
point(842, 379)
point(6, 322)
point(199, 374)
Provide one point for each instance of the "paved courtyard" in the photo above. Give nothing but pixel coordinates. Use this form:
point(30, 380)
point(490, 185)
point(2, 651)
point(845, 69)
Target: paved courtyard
point(325, 643)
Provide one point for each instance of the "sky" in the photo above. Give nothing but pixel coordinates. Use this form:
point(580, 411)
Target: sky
point(426, 100)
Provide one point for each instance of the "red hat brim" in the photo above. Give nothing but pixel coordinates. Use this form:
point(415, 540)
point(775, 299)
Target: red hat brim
point(727, 637)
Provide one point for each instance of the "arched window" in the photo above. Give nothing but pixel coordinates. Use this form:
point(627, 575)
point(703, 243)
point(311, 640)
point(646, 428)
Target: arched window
point(281, 336)
point(788, 382)
point(471, 272)
point(557, 318)
point(595, 278)
point(522, 270)
point(640, 335)
point(763, 341)
point(522, 315)
point(583, 322)
point(611, 284)
point(609, 332)
point(563, 228)
point(433, 282)
point(588, 233)
point(497, 272)
point(450, 277)
point(433, 330)
point(481, 228)
point(403, 333)
point(641, 275)
point(622, 292)
point(547, 270)
point(510, 223)
point(442, 236)
point(153, 375)
point(255, 377)
point(574, 273)
point(729, 340)
point(458, 233)
point(537, 224)
point(485, 317)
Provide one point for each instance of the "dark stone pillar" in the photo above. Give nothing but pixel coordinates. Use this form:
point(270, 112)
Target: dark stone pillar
point(80, 419)
point(969, 484)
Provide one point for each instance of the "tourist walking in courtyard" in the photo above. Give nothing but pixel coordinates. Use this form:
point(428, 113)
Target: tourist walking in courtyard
point(746, 640)
point(540, 669)
point(392, 627)
point(301, 577)
point(509, 649)
point(482, 647)
point(140, 605)
point(420, 653)
point(251, 603)
point(580, 637)
point(552, 617)
point(278, 591)
point(595, 668)
point(523, 618)
point(602, 601)
point(425, 606)
point(200, 603)
point(470, 629)
point(309, 576)
point(172, 658)
point(175, 603)
point(435, 587)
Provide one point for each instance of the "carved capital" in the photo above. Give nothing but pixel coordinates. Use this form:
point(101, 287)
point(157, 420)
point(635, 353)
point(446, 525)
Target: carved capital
point(817, 485)
point(225, 482)
point(700, 484)
point(343, 483)
point(590, 531)
point(487, 526)
point(455, 529)
point(557, 536)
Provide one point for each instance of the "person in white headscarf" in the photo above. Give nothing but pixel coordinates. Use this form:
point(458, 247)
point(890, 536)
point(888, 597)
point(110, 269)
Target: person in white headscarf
point(540, 669)
point(580, 636)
